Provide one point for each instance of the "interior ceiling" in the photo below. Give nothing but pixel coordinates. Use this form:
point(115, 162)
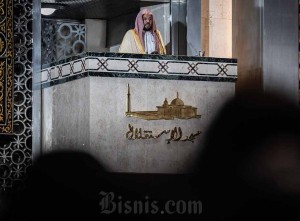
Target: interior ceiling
point(97, 9)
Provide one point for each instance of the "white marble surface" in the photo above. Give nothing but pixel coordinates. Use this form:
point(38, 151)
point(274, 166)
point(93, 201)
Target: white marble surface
point(66, 116)
point(66, 70)
point(141, 66)
point(54, 73)
point(89, 114)
point(45, 75)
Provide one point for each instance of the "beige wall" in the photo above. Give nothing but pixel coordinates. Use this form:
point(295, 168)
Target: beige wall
point(95, 35)
point(216, 28)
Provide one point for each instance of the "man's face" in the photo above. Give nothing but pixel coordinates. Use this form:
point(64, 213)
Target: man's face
point(148, 21)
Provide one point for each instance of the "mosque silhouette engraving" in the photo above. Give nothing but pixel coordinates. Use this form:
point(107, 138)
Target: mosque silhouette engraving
point(176, 109)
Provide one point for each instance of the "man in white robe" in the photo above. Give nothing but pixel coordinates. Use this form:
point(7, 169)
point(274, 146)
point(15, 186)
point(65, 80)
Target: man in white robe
point(145, 38)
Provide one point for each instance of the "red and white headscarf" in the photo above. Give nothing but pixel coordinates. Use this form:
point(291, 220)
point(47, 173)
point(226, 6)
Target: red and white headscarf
point(139, 27)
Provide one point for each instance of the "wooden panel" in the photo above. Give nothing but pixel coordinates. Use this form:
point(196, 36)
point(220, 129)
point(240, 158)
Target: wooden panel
point(247, 44)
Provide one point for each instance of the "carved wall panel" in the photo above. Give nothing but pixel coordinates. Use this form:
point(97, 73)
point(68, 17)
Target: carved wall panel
point(16, 156)
point(62, 39)
point(6, 67)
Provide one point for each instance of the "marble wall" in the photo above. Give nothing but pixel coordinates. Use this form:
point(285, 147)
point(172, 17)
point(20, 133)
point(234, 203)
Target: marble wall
point(85, 101)
point(89, 115)
point(109, 125)
point(66, 116)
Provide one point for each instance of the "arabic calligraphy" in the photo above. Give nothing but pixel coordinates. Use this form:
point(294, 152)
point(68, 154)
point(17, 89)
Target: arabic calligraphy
point(175, 134)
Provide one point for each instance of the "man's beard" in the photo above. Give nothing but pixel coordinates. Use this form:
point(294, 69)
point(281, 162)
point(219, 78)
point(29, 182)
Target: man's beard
point(148, 28)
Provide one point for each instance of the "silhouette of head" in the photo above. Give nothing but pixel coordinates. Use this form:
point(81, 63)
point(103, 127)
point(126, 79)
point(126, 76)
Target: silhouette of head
point(61, 185)
point(250, 164)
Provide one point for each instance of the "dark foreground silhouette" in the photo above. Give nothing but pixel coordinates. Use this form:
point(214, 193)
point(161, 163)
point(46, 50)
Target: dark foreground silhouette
point(249, 169)
point(70, 185)
point(250, 165)
point(60, 186)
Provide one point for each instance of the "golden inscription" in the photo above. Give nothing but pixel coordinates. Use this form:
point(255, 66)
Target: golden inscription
point(174, 135)
point(1, 99)
point(6, 67)
point(1, 45)
point(2, 88)
point(3, 27)
point(176, 109)
point(2, 9)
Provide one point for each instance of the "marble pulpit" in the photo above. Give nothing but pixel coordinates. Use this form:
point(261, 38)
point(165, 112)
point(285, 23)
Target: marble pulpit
point(135, 113)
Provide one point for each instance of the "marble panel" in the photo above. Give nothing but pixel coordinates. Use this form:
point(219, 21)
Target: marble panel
point(78, 66)
point(54, 73)
point(45, 75)
point(47, 130)
point(232, 70)
point(93, 64)
point(178, 67)
point(86, 109)
point(207, 69)
point(66, 116)
point(109, 124)
point(118, 65)
point(66, 69)
point(147, 66)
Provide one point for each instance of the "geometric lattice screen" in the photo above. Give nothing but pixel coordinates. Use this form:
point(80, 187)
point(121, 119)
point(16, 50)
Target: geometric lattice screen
point(16, 155)
point(62, 39)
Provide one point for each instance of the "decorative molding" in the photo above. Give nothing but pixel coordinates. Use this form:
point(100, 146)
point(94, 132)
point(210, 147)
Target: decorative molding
point(6, 66)
point(119, 66)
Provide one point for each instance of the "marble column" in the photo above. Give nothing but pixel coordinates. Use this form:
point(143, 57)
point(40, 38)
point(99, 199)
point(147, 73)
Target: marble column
point(36, 77)
point(266, 37)
point(216, 28)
